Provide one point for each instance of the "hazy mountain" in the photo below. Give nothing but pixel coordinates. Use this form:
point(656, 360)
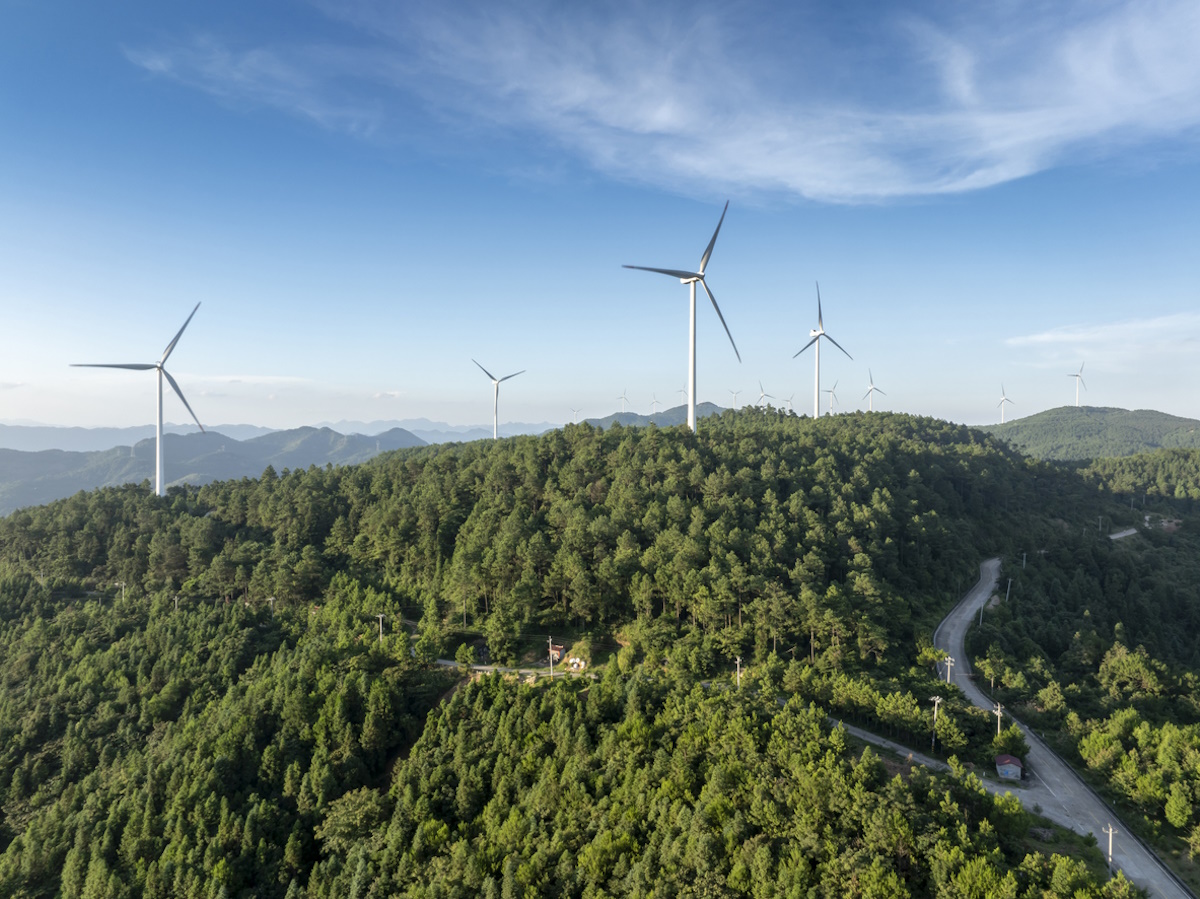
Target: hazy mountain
point(1095, 432)
point(32, 437)
point(440, 431)
point(677, 415)
point(33, 478)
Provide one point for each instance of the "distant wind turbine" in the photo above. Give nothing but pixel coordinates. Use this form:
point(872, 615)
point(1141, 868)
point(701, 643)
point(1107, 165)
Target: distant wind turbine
point(624, 399)
point(1078, 376)
point(789, 401)
point(654, 403)
point(871, 391)
point(575, 416)
point(496, 396)
point(160, 487)
point(832, 396)
point(683, 395)
point(1003, 399)
point(692, 278)
point(816, 334)
point(735, 396)
point(762, 393)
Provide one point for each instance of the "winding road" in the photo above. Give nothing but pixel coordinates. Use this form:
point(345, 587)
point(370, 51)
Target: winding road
point(1051, 784)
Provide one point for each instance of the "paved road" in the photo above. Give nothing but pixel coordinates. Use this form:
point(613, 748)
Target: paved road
point(1063, 797)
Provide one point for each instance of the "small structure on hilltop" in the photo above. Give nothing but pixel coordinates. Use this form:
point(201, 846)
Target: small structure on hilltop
point(1009, 767)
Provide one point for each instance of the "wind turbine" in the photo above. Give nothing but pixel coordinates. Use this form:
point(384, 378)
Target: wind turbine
point(496, 397)
point(692, 278)
point(816, 334)
point(762, 394)
point(1078, 376)
point(624, 399)
point(574, 416)
point(735, 396)
point(682, 395)
point(871, 391)
point(832, 396)
point(654, 403)
point(1003, 399)
point(789, 401)
point(159, 487)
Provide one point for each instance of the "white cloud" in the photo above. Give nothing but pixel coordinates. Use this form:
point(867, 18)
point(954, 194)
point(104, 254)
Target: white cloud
point(729, 97)
point(1123, 346)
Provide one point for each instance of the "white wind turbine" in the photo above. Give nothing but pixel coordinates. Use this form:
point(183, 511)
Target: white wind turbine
point(762, 394)
point(692, 278)
point(735, 396)
point(789, 401)
point(160, 487)
point(624, 399)
point(871, 391)
point(832, 396)
point(1078, 376)
point(574, 416)
point(654, 403)
point(1003, 399)
point(496, 396)
point(816, 334)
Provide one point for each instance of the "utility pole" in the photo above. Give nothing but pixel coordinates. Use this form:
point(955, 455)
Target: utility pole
point(738, 662)
point(937, 701)
point(121, 584)
point(176, 602)
point(1023, 561)
point(1009, 590)
point(271, 600)
point(1110, 831)
point(380, 617)
point(550, 652)
point(998, 711)
point(949, 664)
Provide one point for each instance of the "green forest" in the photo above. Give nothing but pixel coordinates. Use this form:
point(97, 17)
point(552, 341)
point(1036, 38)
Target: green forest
point(198, 698)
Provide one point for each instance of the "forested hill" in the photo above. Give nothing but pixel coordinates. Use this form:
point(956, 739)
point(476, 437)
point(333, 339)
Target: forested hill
point(30, 478)
point(1071, 433)
point(196, 700)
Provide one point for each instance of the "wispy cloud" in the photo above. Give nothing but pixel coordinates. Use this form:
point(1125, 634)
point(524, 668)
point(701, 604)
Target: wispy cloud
point(11, 385)
point(1124, 346)
point(271, 380)
point(738, 98)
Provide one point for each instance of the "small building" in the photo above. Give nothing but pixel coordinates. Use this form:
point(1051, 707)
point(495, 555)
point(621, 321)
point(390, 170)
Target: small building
point(556, 652)
point(1009, 767)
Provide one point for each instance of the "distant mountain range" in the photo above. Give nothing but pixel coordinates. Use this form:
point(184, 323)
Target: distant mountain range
point(676, 415)
point(34, 437)
point(1071, 433)
point(33, 478)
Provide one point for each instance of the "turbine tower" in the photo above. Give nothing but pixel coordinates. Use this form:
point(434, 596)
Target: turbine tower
point(691, 278)
point(816, 334)
point(624, 399)
point(735, 396)
point(762, 394)
point(654, 404)
point(1003, 399)
point(871, 391)
point(496, 397)
point(160, 487)
point(1078, 376)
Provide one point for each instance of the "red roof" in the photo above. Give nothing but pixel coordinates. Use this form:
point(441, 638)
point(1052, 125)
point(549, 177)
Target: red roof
point(1009, 760)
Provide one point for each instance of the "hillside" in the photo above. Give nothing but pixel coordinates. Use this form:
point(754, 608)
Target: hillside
point(31, 478)
point(281, 748)
point(1071, 433)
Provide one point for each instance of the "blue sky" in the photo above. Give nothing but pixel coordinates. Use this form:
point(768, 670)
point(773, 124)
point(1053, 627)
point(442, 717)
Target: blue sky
point(364, 196)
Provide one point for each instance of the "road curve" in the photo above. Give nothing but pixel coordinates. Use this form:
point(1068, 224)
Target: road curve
point(1062, 795)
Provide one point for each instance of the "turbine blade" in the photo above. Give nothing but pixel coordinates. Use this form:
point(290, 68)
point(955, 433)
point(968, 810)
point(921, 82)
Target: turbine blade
point(839, 346)
point(867, 394)
point(721, 317)
point(820, 322)
point(179, 393)
point(805, 347)
point(171, 345)
point(484, 370)
point(134, 366)
point(674, 273)
point(708, 251)
point(877, 390)
point(1083, 382)
point(513, 375)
